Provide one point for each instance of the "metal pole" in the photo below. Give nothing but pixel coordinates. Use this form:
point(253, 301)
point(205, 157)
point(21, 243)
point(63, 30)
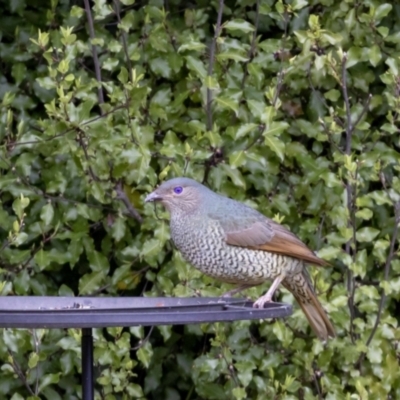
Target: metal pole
point(87, 364)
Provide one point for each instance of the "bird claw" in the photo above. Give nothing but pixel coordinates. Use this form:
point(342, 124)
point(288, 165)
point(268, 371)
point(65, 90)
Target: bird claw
point(260, 303)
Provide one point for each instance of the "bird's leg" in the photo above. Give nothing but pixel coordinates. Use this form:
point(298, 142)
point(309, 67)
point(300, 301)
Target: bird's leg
point(238, 289)
point(267, 298)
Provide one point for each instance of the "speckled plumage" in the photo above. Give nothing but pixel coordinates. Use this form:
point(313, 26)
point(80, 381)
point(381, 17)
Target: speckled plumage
point(205, 247)
point(234, 243)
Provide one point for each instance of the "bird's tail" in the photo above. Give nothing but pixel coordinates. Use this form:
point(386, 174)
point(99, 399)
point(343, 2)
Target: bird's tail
point(302, 289)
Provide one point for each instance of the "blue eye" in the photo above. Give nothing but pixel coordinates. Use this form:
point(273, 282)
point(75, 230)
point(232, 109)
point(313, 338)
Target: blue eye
point(178, 189)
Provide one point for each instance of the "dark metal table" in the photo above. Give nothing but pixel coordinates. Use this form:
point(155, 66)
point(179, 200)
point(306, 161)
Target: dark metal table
point(101, 312)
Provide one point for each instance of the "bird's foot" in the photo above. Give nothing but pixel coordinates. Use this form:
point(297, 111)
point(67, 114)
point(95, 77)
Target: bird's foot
point(260, 303)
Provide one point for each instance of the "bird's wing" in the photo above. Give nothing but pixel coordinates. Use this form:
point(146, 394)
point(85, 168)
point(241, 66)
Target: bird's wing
point(260, 233)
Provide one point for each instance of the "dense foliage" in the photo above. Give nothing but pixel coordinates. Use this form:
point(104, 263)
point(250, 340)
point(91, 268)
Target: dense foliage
point(292, 107)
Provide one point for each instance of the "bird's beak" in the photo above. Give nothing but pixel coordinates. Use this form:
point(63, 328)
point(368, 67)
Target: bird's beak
point(153, 196)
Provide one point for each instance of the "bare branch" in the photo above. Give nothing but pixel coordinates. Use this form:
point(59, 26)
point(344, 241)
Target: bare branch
point(94, 51)
point(121, 195)
point(211, 64)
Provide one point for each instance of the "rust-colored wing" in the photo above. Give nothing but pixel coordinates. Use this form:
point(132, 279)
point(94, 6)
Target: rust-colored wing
point(257, 232)
point(286, 243)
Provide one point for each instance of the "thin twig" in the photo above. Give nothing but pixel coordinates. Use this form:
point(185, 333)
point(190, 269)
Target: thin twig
point(231, 369)
point(211, 64)
point(315, 91)
point(145, 340)
point(172, 37)
point(121, 195)
point(388, 262)
point(35, 341)
point(252, 50)
point(317, 385)
point(281, 73)
point(83, 146)
point(117, 10)
point(349, 192)
point(60, 198)
point(261, 128)
point(94, 51)
point(18, 371)
point(72, 129)
point(279, 85)
point(349, 126)
point(363, 111)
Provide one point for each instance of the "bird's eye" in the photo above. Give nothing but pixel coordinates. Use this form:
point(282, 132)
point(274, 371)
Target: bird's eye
point(178, 189)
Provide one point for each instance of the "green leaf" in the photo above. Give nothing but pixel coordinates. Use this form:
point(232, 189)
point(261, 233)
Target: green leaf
point(47, 214)
point(299, 4)
point(364, 213)
point(257, 108)
point(33, 360)
point(276, 145)
point(196, 66)
point(244, 130)
point(239, 393)
point(227, 103)
point(232, 55)
point(239, 25)
point(118, 229)
point(151, 247)
point(91, 282)
point(47, 380)
point(98, 261)
point(234, 175)
point(332, 95)
point(382, 11)
point(375, 55)
point(374, 354)
point(367, 234)
point(42, 260)
point(354, 56)
point(329, 252)
point(19, 206)
point(237, 159)
point(275, 128)
point(350, 19)
point(193, 45)
point(145, 353)
point(134, 391)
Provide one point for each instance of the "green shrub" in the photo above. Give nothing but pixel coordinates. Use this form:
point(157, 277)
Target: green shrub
point(293, 108)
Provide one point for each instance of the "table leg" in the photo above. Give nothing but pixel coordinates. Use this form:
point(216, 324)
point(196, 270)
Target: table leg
point(87, 364)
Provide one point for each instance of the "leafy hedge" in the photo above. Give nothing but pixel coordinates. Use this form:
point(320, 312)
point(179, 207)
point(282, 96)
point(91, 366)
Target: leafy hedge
point(291, 107)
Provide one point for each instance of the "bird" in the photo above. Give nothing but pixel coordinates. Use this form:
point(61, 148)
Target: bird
point(235, 243)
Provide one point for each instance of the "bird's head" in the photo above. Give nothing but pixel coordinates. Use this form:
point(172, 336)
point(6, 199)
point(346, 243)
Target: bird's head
point(179, 195)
